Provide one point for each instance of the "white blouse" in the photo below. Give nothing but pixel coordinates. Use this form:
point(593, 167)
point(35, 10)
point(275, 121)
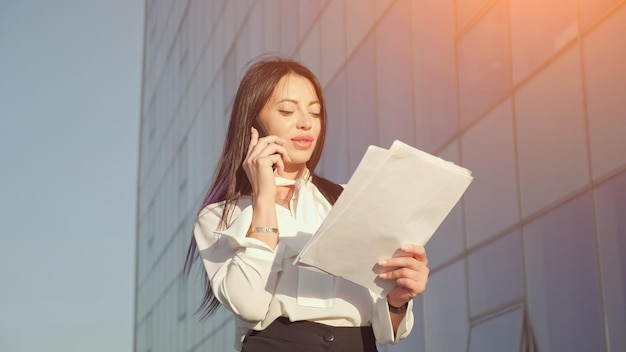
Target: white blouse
point(259, 284)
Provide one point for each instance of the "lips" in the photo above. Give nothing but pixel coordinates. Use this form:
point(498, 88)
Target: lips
point(303, 141)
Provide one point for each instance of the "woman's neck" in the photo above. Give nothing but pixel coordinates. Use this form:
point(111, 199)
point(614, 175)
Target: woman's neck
point(293, 173)
point(284, 195)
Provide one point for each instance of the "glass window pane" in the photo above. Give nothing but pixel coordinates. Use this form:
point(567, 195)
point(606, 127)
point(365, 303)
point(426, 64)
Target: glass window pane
point(592, 10)
point(271, 25)
point(492, 198)
point(446, 325)
point(308, 11)
point(551, 137)
point(484, 64)
point(333, 32)
point(467, 9)
point(289, 26)
point(393, 63)
point(231, 79)
point(605, 75)
point(611, 225)
point(254, 42)
point(335, 156)
point(562, 279)
point(539, 28)
point(309, 51)
point(501, 334)
point(496, 274)
point(359, 22)
point(434, 72)
point(362, 101)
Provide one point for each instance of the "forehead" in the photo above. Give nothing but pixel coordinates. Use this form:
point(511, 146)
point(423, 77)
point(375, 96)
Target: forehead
point(292, 86)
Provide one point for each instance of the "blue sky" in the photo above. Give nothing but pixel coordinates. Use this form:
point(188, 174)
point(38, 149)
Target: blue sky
point(70, 85)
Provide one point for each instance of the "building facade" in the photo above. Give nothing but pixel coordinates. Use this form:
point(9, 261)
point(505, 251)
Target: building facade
point(528, 94)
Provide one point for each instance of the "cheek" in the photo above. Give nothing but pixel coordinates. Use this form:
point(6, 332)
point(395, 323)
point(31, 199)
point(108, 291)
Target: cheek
point(318, 126)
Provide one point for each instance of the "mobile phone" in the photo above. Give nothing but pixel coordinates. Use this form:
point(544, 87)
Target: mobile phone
point(259, 126)
point(262, 132)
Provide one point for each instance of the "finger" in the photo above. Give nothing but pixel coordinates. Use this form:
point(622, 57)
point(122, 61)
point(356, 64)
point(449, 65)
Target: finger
point(254, 138)
point(401, 262)
point(404, 273)
point(280, 168)
point(271, 139)
point(418, 252)
point(263, 143)
point(258, 152)
point(420, 273)
point(414, 287)
point(274, 148)
point(277, 161)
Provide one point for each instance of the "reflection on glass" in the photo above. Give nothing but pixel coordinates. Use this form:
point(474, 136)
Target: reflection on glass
point(611, 224)
point(335, 164)
point(393, 64)
point(362, 101)
point(605, 83)
point(484, 65)
point(467, 9)
point(539, 28)
point(593, 10)
point(562, 279)
point(492, 200)
point(289, 26)
point(551, 140)
point(496, 275)
point(434, 73)
point(446, 325)
point(502, 333)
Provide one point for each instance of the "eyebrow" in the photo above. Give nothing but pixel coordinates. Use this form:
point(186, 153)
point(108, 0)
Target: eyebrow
point(296, 102)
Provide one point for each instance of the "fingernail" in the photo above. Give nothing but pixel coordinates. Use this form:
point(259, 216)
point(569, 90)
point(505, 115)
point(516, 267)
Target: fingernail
point(382, 262)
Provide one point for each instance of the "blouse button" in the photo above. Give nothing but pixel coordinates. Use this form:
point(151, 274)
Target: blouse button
point(329, 337)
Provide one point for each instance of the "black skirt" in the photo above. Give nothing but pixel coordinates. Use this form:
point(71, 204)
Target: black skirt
point(305, 336)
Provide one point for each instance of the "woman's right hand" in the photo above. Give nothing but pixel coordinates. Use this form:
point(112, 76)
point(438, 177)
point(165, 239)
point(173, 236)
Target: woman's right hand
point(263, 154)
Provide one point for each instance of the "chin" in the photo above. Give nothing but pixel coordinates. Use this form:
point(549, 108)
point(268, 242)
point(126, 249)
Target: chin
point(300, 158)
point(297, 163)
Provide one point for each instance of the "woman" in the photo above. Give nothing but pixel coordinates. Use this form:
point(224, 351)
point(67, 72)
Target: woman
point(264, 204)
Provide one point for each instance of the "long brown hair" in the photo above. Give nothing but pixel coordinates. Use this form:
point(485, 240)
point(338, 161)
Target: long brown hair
point(230, 180)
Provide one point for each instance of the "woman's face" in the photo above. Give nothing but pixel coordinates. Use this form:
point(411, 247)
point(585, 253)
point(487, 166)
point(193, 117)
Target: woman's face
point(293, 114)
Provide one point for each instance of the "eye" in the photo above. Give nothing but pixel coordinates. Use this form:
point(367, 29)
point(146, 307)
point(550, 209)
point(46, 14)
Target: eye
point(315, 109)
point(285, 112)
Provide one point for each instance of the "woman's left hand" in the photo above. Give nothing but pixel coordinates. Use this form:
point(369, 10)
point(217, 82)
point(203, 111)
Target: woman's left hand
point(409, 268)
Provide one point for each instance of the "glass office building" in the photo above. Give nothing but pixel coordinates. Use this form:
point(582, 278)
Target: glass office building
point(528, 94)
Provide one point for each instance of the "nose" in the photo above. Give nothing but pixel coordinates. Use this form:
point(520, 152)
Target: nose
point(305, 121)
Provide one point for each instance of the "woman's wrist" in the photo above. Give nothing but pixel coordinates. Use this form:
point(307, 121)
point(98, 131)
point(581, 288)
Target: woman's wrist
point(397, 306)
point(268, 235)
point(265, 199)
point(398, 309)
point(264, 225)
point(263, 229)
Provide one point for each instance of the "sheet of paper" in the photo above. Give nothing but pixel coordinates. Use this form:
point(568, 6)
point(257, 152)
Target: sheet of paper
point(395, 196)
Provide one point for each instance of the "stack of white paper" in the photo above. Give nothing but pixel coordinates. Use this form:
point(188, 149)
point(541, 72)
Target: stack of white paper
point(395, 196)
